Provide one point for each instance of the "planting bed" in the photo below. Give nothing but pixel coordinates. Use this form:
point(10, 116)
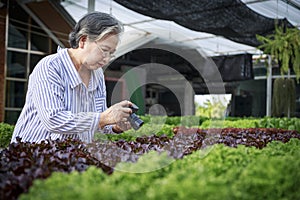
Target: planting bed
point(22, 163)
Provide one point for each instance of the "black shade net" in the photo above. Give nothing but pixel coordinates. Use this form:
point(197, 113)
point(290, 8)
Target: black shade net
point(229, 18)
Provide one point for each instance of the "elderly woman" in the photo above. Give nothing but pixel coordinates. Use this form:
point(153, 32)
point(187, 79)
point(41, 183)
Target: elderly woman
point(66, 94)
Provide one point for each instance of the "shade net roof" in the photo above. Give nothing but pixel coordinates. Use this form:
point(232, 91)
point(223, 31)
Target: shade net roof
point(215, 27)
point(229, 18)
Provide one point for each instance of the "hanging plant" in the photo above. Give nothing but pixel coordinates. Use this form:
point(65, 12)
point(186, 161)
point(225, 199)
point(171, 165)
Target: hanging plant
point(284, 47)
point(284, 98)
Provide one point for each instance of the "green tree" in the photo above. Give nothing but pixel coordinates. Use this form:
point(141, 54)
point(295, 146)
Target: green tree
point(214, 108)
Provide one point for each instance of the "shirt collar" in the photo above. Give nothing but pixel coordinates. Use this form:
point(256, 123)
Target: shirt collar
point(71, 71)
point(97, 76)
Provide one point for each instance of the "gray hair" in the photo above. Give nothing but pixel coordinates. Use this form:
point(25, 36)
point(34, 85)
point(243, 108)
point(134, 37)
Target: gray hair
point(95, 26)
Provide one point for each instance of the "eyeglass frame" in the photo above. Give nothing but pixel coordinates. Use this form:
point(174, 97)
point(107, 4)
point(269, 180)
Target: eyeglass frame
point(105, 54)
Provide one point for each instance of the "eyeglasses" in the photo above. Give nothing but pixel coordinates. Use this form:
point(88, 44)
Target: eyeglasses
point(105, 53)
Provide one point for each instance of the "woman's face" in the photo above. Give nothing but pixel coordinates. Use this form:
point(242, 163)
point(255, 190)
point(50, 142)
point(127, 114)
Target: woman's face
point(100, 52)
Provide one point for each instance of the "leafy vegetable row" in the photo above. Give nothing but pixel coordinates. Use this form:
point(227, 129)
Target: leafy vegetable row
point(21, 163)
point(160, 125)
point(225, 173)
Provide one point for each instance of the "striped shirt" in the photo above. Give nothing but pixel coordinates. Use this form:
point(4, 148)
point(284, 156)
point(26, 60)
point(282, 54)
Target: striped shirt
point(59, 105)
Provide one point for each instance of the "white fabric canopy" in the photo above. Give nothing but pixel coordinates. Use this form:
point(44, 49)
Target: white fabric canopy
point(277, 9)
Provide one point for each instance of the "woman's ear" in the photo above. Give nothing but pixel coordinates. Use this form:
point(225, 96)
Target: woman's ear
point(82, 41)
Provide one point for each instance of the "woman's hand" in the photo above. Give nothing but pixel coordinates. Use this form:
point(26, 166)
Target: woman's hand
point(120, 127)
point(116, 115)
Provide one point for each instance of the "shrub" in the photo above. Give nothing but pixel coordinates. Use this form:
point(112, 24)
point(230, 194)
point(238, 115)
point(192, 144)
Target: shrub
point(6, 132)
